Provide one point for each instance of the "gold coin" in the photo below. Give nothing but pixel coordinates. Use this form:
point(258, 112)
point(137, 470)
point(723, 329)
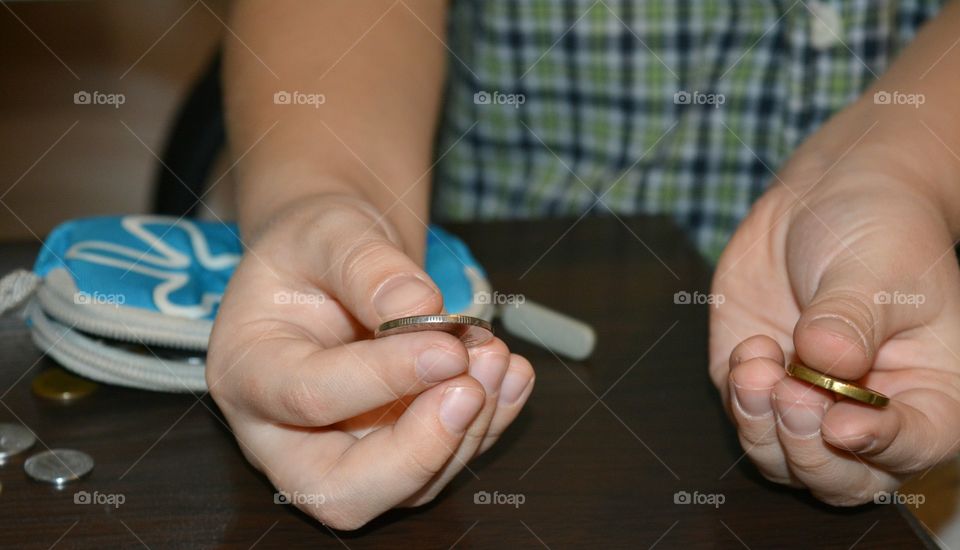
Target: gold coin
point(59, 385)
point(472, 331)
point(838, 386)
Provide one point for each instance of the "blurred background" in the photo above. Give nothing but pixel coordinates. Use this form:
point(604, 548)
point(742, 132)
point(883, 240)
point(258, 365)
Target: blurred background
point(60, 159)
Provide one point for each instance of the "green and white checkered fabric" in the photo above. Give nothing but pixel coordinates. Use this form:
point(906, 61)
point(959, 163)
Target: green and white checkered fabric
point(580, 107)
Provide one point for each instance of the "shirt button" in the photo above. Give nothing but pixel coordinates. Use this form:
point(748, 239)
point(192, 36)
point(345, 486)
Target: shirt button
point(826, 26)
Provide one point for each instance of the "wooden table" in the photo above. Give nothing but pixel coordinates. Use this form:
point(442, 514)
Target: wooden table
point(599, 455)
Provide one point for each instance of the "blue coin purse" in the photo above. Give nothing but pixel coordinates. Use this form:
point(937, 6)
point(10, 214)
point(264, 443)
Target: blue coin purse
point(130, 300)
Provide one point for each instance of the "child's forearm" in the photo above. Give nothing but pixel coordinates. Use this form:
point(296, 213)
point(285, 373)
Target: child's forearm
point(908, 122)
point(379, 67)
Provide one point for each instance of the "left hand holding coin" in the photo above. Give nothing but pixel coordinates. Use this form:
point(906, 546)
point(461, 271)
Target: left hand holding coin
point(355, 425)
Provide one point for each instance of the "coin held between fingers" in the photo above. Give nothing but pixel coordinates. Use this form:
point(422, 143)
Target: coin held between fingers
point(838, 386)
point(472, 331)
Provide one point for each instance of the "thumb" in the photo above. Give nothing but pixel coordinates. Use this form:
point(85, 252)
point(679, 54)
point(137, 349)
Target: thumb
point(855, 308)
point(362, 264)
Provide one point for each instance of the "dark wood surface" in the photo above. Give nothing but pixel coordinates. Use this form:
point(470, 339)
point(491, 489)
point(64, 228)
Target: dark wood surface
point(598, 454)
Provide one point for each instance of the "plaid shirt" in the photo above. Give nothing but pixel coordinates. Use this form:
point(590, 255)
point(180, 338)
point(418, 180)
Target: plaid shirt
point(578, 107)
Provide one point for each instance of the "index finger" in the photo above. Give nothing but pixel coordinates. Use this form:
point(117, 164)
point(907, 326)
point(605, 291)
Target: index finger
point(293, 381)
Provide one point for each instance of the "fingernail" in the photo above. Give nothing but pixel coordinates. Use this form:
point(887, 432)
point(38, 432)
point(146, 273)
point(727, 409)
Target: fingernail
point(514, 384)
point(754, 402)
point(459, 407)
point(436, 364)
point(488, 369)
point(801, 419)
point(400, 295)
point(840, 327)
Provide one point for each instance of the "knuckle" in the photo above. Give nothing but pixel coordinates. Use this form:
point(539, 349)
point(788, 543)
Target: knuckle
point(358, 258)
point(854, 306)
point(921, 457)
point(773, 468)
point(778, 478)
point(303, 402)
point(854, 497)
point(491, 437)
point(758, 444)
point(398, 365)
point(768, 458)
point(217, 357)
point(489, 441)
point(496, 345)
point(336, 510)
point(340, 519)
point(425, 498)
point(221, 387)
point(860, 496)
point(444, 342)
point(476, 432)
point(821, 465)
point(254, 388)
point(214, 387)
point(421, 465)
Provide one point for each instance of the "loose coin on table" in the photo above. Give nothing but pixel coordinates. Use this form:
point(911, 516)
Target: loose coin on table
point(59, 385)
point(58, 466)
point(14, 439)
point(838, 386)
point(472, 331)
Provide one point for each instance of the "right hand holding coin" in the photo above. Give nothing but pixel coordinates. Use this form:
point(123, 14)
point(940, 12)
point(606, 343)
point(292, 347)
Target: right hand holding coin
point(349, 426)
point(833, 282)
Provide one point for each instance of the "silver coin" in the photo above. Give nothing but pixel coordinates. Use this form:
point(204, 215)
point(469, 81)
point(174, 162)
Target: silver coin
point(472, 331)
point(14, 439)
point(58, 466)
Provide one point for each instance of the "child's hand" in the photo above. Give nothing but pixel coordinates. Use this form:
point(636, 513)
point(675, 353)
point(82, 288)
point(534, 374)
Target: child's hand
point(859, 279)
point(347, 426)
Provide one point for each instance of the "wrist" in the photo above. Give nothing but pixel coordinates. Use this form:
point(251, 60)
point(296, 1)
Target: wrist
point(313, 218)
point(918, 147)
point(265, 196)
point(865, 151)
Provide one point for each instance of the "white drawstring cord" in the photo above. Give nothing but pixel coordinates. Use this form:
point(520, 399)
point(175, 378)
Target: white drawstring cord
point(15, 287)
